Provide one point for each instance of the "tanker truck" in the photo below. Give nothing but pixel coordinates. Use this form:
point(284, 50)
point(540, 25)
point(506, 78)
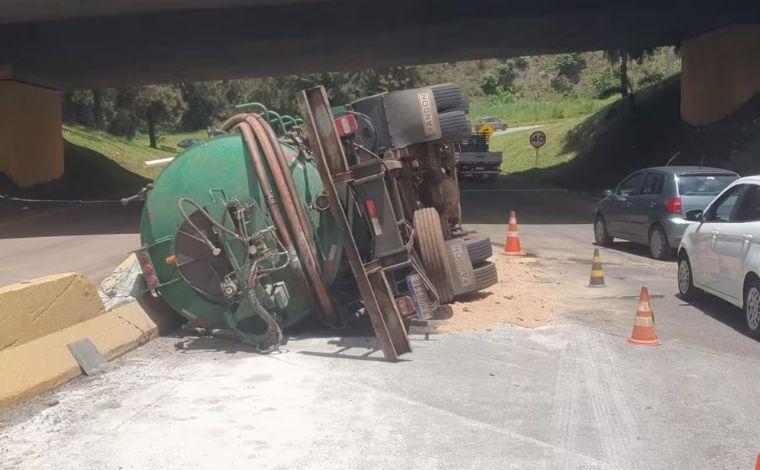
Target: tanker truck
point(345, 213)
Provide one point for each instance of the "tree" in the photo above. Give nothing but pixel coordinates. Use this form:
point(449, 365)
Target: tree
point(620, 56)
point(162, 106)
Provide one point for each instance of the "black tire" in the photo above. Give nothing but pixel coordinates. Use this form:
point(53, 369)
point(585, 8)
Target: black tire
point(478, 247)
point(485, 275)
point(658, 244)
point(429, 236)
point(454, 126)
point(448, 96)
point(601, 236)
point(752, 307)
point(686, 279)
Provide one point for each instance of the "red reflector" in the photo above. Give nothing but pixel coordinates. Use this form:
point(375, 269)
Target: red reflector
point(143, 257)
point(372, 211)
point(406, 306)
point(673, 205)
point(152, 281)
point(346, 125)
point(147, 269)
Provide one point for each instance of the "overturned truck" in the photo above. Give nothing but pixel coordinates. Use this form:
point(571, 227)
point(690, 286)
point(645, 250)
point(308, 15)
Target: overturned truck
point(348, 212)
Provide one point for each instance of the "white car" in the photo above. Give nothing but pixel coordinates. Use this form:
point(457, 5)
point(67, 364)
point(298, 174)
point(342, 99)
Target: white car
point(720, 251)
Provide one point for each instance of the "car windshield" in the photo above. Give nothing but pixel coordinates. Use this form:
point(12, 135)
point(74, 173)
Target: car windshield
point(703, 185)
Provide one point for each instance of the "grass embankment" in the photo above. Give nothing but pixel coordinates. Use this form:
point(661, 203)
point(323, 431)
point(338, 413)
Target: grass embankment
point(520, 113)
point(520, 156)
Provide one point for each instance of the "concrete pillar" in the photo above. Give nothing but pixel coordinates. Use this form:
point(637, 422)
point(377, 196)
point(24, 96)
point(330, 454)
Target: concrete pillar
point(721, 71)
point(31, 141)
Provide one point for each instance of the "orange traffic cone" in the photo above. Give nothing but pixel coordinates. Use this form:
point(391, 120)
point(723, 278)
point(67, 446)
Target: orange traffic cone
point(512, 246)
point(757, 462)
point(643, 326)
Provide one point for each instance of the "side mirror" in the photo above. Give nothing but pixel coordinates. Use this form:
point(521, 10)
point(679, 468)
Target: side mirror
point(608, 193)
point(694, 215)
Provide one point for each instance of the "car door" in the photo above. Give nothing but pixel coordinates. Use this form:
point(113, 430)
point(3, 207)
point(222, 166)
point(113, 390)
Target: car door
point(620, 221)
point(717, 219)
point(645, 205)
point(733, 243)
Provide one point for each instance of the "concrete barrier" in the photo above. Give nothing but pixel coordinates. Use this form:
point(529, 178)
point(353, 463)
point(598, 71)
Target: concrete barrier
point(42, 364)
point(33, 309)
point(39, 318)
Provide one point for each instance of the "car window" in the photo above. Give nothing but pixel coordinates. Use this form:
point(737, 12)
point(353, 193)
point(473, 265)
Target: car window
point(653, 183)
point(703, 185)
point(630, 185)
point(722, 210)
point(749, 206)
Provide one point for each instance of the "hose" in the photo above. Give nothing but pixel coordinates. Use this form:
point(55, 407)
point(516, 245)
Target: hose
point(294, 212)
point(271, 201)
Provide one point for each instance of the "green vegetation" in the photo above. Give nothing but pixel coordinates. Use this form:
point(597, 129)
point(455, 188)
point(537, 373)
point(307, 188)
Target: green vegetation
point(520, 156)
point(520, 113)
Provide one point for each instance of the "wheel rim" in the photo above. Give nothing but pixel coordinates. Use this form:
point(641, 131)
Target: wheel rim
point(684, 276)
point(599, 230)
point(753, 308)
point(656, 243)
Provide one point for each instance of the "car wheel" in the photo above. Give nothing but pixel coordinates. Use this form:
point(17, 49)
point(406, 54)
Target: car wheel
point(658, 244)
point(601, 235)
point(686, 279)
point(752, 307)
point(504, 127)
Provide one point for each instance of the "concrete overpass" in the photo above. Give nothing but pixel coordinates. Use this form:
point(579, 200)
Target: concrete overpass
point(50, 45)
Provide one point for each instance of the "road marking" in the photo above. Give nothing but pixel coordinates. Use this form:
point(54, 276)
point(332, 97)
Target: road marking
point(509, 190)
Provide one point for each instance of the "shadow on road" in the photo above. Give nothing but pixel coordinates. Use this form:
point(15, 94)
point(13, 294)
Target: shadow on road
point(20, 219)
point(720, 310)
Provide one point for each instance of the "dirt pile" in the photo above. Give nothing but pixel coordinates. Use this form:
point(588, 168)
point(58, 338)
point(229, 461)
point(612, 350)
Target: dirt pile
point(523, 296)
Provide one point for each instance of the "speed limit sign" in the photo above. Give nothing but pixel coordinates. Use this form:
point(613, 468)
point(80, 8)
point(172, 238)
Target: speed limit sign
point(537, 139)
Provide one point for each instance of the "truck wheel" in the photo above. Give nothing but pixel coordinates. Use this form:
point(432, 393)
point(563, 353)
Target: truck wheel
point(429, 236)
point(454, 126)
point(485, 275)
point(448, 96)
point(478, 247)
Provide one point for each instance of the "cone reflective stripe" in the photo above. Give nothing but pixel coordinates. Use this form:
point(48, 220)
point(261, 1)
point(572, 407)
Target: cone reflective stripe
point(512, 245)
point(643, 325)
point(597, 274)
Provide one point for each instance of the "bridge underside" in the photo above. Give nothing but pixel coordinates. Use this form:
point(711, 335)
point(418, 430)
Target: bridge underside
point(108, 51)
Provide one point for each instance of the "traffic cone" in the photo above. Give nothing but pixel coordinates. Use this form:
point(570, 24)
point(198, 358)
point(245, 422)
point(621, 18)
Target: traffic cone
point(512, 246)
point(643, 326)
point(597, 275)
point(757, 462)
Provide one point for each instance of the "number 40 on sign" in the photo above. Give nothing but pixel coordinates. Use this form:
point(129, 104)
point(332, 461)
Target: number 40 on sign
point(537, 140)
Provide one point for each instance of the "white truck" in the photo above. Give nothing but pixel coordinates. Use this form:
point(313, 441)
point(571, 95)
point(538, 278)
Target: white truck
point(476, 160)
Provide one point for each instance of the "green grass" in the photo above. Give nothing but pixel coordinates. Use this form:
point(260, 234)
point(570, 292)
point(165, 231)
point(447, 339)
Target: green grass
point(128, 153)
point(520, 113)
point(520, 156)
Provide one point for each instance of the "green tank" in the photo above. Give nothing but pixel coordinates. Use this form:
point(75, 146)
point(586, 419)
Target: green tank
point(208, 237)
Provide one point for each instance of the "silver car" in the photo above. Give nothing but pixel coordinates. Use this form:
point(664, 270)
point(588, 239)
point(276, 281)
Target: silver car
point(648, 205)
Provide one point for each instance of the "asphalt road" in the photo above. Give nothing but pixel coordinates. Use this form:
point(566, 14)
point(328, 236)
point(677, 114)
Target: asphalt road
point(569, 395)
point(37, 239)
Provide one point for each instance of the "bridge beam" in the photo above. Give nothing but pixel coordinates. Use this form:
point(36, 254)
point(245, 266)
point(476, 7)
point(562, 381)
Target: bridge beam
point(721, 71)
point(31, 143)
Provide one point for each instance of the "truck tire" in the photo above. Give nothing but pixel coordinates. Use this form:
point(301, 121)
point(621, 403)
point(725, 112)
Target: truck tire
point(478, 247)
point(448, 96)
point(429, 236)
point(485, 275)
point(454, 126)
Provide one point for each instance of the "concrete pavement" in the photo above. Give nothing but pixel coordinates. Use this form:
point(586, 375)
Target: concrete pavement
point(569, 395)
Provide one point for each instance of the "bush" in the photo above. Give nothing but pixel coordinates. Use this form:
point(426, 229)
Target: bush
point(605, 83)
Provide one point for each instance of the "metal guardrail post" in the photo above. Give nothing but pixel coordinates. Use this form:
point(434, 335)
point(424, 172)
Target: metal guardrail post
point(370, 278)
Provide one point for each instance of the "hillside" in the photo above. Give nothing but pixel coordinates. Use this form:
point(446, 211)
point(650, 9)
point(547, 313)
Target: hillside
point(647, 130)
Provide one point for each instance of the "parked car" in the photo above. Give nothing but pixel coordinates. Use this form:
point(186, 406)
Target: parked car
point(648, 205)
point(497, 124)
point(187, 143)
point(720, 250)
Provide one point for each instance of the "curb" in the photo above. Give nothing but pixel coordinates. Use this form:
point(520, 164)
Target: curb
point(44, 363)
